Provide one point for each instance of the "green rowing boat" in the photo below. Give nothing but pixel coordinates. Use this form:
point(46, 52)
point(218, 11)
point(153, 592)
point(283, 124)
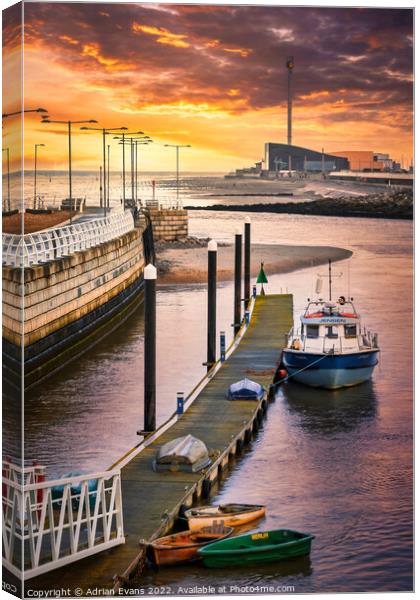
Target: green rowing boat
point(261, 547)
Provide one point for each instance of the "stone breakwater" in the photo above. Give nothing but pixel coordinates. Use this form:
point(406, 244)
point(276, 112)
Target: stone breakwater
point(384, 205)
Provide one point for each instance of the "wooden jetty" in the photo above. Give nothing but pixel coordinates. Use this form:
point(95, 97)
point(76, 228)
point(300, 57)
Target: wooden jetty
point(152, 500)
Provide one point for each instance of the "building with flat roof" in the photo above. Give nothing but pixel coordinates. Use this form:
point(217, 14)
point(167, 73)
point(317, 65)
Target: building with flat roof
point(366, 160)
point(280, 157)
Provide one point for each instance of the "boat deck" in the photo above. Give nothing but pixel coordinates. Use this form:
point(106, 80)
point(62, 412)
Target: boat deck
point(151, 500)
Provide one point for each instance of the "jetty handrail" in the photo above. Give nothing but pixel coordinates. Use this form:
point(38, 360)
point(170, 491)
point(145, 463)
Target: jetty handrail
point(365, 340)
point(13, 471)
point(162, 202)
point(73, 518)
point(174, 417)
point(47, 245)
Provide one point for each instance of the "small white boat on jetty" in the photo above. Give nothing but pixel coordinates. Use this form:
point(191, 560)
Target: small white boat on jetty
point(186, 453)
point(330, 349)
point(246, 389)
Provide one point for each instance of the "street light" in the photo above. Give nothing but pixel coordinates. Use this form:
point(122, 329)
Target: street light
point(122, 136)
point(177, 146)
point(36, 152)
point(19, 112)
point(107, 181)
point(8, 176)
point(138, 142)
point(69, 124)
point(134, 142)
point(104, 130)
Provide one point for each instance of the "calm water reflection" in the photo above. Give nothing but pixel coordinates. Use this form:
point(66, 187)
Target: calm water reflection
point(328, 414)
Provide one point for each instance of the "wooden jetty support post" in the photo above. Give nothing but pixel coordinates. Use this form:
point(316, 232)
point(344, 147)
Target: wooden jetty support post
point(153, 500)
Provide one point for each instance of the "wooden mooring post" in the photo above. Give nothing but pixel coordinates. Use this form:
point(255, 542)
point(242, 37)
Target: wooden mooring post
point(150, 274)
point(211, 304)
point(247, 261)
point(237, 293)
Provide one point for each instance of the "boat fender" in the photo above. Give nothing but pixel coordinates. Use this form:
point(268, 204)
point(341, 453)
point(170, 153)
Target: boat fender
point(296, 344)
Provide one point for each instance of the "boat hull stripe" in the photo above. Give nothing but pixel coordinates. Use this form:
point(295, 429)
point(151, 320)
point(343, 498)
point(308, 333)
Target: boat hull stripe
point(300, 360)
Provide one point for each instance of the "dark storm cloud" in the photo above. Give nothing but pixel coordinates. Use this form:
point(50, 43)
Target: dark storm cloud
point(12, 26)
point(202, 53)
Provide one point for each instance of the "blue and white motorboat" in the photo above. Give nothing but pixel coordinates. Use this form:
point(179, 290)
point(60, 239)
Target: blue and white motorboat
point(330, 349)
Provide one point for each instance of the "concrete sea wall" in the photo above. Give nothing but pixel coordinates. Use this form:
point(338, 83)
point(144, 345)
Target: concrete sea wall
point(169, 224)
point(67, 300)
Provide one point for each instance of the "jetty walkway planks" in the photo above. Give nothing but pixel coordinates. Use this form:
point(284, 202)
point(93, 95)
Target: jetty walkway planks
point(151, 501)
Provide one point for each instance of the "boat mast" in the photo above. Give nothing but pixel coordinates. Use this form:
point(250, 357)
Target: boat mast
point(329, 277)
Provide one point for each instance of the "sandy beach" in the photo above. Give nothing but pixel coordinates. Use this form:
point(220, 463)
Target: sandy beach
point(188, 264)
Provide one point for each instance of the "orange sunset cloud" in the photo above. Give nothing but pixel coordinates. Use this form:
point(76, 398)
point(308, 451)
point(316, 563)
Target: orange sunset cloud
point(215, 78)
point(163, 36)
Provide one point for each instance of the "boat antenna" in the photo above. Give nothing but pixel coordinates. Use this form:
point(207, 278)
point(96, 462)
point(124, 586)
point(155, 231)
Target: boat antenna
point(348, 279)
point(329, 277)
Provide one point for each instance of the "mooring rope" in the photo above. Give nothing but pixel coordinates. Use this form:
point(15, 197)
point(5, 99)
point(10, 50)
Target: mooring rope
point(300, 371)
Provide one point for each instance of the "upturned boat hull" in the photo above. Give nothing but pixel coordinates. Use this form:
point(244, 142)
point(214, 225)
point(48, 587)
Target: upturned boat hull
point(333, 371)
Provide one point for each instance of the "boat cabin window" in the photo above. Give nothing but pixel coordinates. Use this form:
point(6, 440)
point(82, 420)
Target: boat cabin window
point(350, 331)
point(312, 331)
point(332, 331)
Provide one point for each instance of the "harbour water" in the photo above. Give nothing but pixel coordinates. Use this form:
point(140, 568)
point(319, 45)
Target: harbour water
point(337, 464)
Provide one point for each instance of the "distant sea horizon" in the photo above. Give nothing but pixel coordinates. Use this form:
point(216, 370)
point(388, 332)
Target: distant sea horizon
point(89, 172)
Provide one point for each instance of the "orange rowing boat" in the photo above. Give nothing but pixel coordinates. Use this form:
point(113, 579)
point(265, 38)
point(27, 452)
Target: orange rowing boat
point(183, 547)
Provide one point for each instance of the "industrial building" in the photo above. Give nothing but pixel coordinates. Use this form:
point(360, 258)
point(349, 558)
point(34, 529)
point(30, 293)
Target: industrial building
point(281, 157)
point(366, 160)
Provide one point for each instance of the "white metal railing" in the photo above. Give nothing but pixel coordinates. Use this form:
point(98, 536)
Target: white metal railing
point(366, 340)
point(49, 524)
point(23, 475)
point(161, 202)
point(44, 246)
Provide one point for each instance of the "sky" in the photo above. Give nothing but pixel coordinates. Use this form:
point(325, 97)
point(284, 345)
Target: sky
point(211, 76)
